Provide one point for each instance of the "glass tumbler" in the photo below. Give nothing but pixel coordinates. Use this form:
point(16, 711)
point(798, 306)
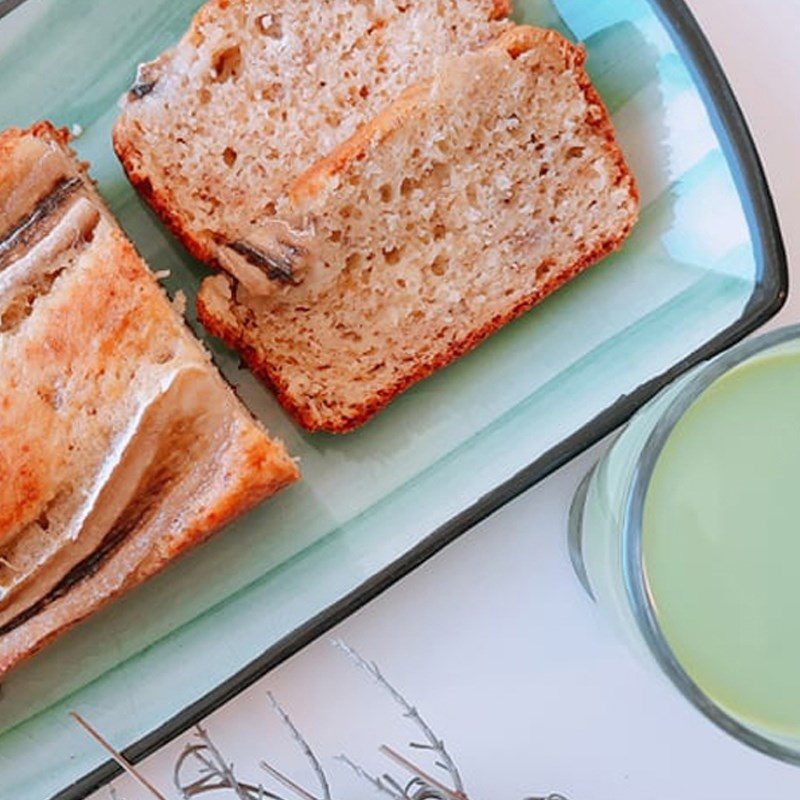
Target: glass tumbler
point(606, 525)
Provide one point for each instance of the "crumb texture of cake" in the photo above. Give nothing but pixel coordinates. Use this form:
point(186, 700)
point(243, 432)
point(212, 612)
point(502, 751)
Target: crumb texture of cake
point(466, 201)
point(257, 90)
point(120, 444)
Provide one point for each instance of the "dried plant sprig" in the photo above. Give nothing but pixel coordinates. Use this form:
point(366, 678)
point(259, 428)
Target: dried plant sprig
point(418, 789)
point(286, 781)
point(395, 785)
point(420, 776)
point(117, 756)
point(215, 772)
point(385, 784)
point(307, 751)
point(410, 711)
point(549, 797)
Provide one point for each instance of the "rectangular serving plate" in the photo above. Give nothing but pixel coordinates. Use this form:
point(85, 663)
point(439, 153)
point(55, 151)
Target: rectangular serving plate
point(704, 267)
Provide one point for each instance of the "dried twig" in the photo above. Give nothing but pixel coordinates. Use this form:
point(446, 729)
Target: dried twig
point(117, 756)
point(421, 775)
point(549, 797)
point(215, 773)
point(287, 782)
point(410, 711)
point(389, 787)
point(418, 789)
point(307, 751)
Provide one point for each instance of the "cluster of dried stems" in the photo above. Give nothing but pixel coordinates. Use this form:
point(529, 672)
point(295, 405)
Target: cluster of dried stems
point(201, 768)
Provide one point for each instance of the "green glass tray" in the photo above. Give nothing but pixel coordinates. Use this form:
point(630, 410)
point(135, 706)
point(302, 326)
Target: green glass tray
point(704, 267)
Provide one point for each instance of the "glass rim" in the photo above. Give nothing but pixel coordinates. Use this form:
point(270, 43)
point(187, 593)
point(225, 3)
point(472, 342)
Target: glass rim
point(637, 587)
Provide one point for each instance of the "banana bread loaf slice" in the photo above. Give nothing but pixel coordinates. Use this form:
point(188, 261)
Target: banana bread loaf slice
point(258, 90)
point(465, 202)
point(120, 444)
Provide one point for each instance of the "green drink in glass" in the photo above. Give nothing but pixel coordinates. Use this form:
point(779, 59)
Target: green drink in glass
point(688, 531)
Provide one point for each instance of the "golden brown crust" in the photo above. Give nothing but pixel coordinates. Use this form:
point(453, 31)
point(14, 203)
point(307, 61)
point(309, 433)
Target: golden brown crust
point(78, 605)
point(236, 339)
point(81, 603)
point(44, 129)
point(501, 9)
point(26, 462)
point(515, 41)
point(25, 466)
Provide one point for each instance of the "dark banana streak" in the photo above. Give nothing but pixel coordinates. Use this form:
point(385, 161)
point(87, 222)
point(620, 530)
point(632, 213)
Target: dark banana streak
point(27, 229)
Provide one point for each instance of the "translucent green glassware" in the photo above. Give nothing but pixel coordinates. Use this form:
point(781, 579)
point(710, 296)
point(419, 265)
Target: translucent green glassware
point(688, 533)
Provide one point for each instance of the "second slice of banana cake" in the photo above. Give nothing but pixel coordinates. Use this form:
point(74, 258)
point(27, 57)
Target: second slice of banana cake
point(465, 202)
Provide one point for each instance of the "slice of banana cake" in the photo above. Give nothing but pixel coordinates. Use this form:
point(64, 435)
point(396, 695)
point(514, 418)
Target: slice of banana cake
point(466, 201)
point(120, 444)
point(258, 90)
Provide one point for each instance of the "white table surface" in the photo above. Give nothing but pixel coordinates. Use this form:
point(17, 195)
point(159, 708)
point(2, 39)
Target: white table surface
point(494, 638)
